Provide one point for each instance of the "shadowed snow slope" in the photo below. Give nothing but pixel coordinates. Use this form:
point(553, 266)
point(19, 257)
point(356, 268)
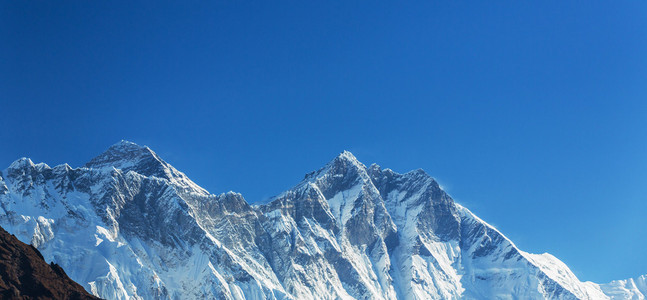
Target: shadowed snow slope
point(128, 225)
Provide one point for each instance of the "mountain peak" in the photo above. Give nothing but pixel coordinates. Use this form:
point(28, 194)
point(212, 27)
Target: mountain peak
point(128, 156)
point(124, 144)
point(21, 163)
point(24, 163)
point(347, 154)
point(346, 157)
point(344, 164)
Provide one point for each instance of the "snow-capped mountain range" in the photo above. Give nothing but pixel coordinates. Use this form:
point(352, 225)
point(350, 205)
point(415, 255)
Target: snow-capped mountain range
point(128, 225)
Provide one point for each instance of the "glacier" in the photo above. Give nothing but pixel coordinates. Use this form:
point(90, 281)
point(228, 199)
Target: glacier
point(127, 225)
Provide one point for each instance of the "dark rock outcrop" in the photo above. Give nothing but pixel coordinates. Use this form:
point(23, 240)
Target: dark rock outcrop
point(24, 274)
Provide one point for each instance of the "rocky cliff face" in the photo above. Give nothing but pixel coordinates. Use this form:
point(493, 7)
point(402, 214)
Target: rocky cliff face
point(24, 274)
point(129, 225)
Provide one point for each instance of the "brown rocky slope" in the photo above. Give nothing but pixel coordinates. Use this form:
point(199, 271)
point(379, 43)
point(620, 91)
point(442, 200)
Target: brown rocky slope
point(24, 274)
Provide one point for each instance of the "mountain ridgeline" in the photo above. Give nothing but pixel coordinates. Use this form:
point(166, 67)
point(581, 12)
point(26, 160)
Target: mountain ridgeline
point(128, 225)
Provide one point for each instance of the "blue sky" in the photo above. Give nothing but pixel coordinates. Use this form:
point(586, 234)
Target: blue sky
point(531, 114)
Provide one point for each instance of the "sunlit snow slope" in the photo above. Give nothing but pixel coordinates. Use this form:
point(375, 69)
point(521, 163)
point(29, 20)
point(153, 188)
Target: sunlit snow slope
point(128, 225)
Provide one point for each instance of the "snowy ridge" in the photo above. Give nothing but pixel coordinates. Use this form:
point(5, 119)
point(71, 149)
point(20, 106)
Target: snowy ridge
point(633, 288)
point(128, 225)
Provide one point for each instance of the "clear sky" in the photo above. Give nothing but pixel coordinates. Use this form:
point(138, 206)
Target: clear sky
point(533, 114)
